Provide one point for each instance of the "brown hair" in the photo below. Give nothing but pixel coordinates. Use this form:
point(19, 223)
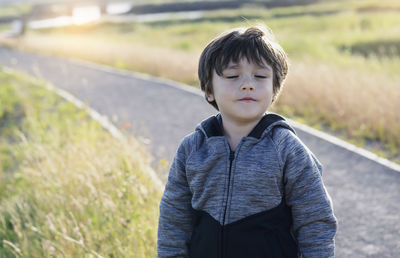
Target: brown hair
point(254, 43)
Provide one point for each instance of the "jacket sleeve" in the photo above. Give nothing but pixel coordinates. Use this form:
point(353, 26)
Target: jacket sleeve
point(175, 221)
point(314, 224)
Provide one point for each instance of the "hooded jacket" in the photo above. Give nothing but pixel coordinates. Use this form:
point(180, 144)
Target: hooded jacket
point(265, 199)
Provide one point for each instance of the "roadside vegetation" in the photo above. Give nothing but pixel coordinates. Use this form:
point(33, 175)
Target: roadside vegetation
point(67, 187)
point(345, 58)
point(12, 10)
point(9, 11)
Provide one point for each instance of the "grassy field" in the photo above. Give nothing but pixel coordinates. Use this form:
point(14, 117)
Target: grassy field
point(345, 58)
point(68, 188)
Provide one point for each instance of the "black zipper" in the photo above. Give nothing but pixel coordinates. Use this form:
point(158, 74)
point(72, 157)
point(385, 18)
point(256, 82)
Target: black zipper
point(231, 158)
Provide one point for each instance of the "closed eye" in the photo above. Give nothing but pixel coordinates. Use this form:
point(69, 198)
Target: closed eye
point(232, 77)
point(261, 76)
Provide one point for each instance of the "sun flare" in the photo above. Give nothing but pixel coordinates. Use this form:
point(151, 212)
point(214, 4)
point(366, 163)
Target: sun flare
point(85, 14)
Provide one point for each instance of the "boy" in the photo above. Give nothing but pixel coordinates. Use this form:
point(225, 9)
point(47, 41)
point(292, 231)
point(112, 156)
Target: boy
point(243, 184)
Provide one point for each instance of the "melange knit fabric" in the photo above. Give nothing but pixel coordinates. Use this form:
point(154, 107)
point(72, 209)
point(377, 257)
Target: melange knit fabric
point(269, 168)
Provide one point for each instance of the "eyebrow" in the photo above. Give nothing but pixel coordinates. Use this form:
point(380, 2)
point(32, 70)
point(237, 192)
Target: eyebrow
point(235, 66)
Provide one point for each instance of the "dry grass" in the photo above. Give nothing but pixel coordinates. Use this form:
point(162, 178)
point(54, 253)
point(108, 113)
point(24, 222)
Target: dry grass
point(356, 105)
point(364, 107)
point(147, 59)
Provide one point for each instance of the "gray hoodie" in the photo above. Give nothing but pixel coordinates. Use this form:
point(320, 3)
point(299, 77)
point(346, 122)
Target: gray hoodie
point(269, 167)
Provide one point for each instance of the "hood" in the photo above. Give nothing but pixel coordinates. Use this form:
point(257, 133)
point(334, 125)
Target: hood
point(212, 126)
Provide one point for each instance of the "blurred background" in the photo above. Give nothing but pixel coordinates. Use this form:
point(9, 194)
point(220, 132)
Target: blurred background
point(344, 79)
point(344, 74)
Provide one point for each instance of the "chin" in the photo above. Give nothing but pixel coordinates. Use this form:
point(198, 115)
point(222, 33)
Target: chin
point(249, 117)
point(250, 113)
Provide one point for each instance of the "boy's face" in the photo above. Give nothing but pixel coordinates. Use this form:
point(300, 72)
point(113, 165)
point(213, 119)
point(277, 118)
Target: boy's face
point(244, 91)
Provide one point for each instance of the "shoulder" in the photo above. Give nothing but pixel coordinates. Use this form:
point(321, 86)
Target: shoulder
point(291, 148)
point(191, 142)
point(285, 138)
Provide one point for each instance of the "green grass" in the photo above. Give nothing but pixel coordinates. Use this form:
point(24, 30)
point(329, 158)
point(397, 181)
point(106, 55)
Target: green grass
point(67, 188)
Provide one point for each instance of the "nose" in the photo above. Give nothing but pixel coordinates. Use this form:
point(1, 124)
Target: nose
point(247, 84)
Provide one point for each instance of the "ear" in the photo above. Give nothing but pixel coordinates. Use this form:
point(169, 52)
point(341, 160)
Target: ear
point(210, 97)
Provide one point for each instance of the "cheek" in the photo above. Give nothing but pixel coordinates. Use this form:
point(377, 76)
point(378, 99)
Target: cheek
point(269, 87)
point(265, 89)
point(267, 94)
point(223, 90)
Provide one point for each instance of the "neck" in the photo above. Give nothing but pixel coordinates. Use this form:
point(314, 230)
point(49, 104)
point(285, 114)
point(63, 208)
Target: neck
point(234, 131)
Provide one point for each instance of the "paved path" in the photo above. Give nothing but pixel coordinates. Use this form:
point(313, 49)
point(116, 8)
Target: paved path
point(366, 195)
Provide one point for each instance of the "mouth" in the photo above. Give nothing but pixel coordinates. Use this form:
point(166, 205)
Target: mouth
point(247, 99)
